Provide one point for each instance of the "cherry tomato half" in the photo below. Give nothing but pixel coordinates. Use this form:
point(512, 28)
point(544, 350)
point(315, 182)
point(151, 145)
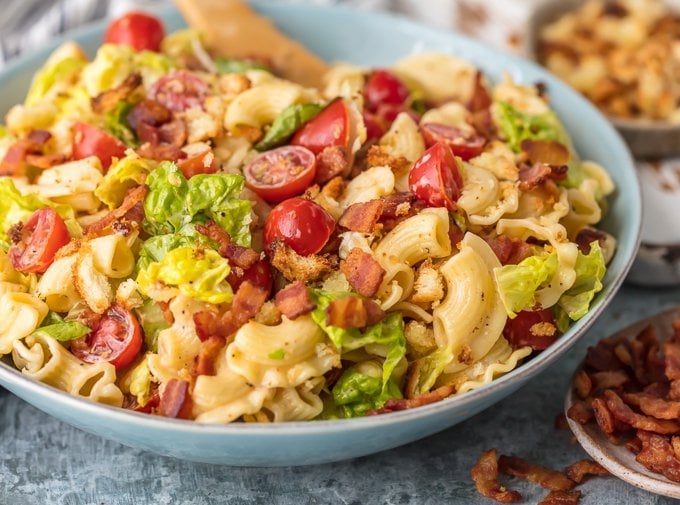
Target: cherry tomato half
point(260, 274)
point(301, 224)
point(41, 237)
point(179, 90)
point(200, 163)
point(89, 140)
point(383, 87)
point(435, 177)
point(116, 338)
point(375, 125)
point(463, 144)
point(136, 29)
point(281, 173)
point(518, 332)
point(329, 128)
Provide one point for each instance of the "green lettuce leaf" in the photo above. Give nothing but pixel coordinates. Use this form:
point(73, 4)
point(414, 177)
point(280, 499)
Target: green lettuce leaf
point(115, 122)
point(124, 174)
point(517, 284)
point(54, 326)
point(155, 248)
point(173, 202)
point(153, 321)
point(179, 45)
point(64, 71)
point(287, 123)
point(590, 269)
point(360, 389)
point(234, 66)
point(198, 273)
point(140, 383)
point(389, 333)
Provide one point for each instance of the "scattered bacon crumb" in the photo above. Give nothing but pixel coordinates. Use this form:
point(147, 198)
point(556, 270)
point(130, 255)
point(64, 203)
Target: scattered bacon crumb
point(294, 301)
point(544, 477)
point(485, 476)
point(108, 100)
point(579, 470)
point(209, 350)
point(532, 176)
point(561, 498)
point(133, 199)
point(175, 399)
point(363, 272)
point(396, 404)
point(587, 236)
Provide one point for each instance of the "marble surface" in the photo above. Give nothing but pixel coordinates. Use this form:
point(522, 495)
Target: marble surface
point(44, 461)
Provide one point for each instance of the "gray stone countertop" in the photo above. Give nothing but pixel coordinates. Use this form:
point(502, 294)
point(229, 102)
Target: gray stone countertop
point(44, 461)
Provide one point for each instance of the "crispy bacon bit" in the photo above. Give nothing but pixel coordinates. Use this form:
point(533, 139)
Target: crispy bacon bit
point(353, 312)
point(561, 498)
point(485, 475)
point(160, 152)
point(544, 477)
point(240, 256)
point(175, 400)
point(532, 176)
point(294, 301)
point(653, 405)
point(29, 151)
point(331, 162)
point(625, 414)
point(658, 455)
point(108, 100)
point(363, 272)
point(301, 268)
point(509, 250)
point(209, 350)
point(362, 217)
point(39, 137)
point(481, 99)
point(671, 351)
point(167, 313)
point(161, 134)
point(587, 236)
point(396, 404)
point(550, 152)
point(609, 379)
point(149, 112)
point(134, 198)
point(15, 232)
point(583, 385)
point(581, 412)
point(581, 469)
point(398, 207)
point(603, 416)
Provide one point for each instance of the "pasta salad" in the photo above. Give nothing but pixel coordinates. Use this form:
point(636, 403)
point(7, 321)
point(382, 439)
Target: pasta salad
point(196, 237)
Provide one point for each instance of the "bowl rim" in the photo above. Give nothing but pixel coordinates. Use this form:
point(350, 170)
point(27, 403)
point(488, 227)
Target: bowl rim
point(12, 378)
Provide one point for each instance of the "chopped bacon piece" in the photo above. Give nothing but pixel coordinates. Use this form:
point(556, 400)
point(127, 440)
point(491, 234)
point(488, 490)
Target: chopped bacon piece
point(209, 350)
point(544, 477)
point(161, 134)
point(587, 236)
point(39, 137)
point(509, 250)
point(603, 416)
point(583, 385)
point(175, 400)
point(353, 312)
point(625, 414)
point(672, 360)
point(160, 152)
point(363, 272)
point(108, 100)
point(571, 497)
point(148, 112)
point(362, 217)
point(294, 301)
point(609, 379)
point(332, 161)
point(396, 404)
point(247, 301)
point(398, 207)
point(658, 455)
point(481, 99)
point(653, 405)
point(167, 313)
point(550, 152)
point(485, 475)
point(17, 156)
point(532, 176)
point(579, 470)
point(240, 256)
point(580, 411)
point(133, 198)
point(46, 160)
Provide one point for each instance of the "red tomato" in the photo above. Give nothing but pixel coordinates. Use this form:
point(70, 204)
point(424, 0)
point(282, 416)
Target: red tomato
point(179, 90)
point(116, 338)
point(260, 274)
point(41, 237)
point(201, 163)
point(463, 144)
point(383, 87)
point(281, 173)
point(136, 29)
point(89, 140)
point(301, 224)
point(518, 332)
point(329, 128)
point(435, 177)
point(375, 125)
point(390, 111)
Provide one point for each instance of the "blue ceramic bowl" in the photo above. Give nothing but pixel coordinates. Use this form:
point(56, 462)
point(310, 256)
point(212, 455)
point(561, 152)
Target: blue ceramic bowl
point(369, 39)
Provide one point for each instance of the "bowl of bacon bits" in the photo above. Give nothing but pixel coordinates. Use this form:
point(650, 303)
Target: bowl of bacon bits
point(624, 56)
point(624, 404)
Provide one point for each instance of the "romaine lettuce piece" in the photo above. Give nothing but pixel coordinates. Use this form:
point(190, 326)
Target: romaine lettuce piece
point(173, 202)
point(389, 333)
point(61, 69)
point(54, 326)
point(153, 321)
point(360, 389)
point(198, 273)
point(140, 383)
point(590, 269)
point(115, 122)
point(234, 66)
point(126, 173)
point(517, 284)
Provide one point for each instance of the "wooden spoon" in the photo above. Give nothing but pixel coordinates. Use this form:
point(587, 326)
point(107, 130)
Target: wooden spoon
point(232, 29)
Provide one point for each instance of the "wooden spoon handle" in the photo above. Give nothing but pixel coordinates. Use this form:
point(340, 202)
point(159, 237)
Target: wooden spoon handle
point(232, 29)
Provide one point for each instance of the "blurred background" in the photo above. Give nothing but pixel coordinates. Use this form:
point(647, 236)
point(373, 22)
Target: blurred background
point(26, 25)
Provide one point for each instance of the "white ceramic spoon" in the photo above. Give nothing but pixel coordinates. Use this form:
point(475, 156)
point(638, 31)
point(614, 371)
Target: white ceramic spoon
point(619, 460)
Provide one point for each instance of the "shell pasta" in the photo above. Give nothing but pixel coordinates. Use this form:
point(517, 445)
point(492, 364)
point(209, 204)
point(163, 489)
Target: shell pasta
point(195, 237)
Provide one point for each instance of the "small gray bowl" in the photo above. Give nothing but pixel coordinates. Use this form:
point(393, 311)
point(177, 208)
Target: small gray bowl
point(646, 138)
